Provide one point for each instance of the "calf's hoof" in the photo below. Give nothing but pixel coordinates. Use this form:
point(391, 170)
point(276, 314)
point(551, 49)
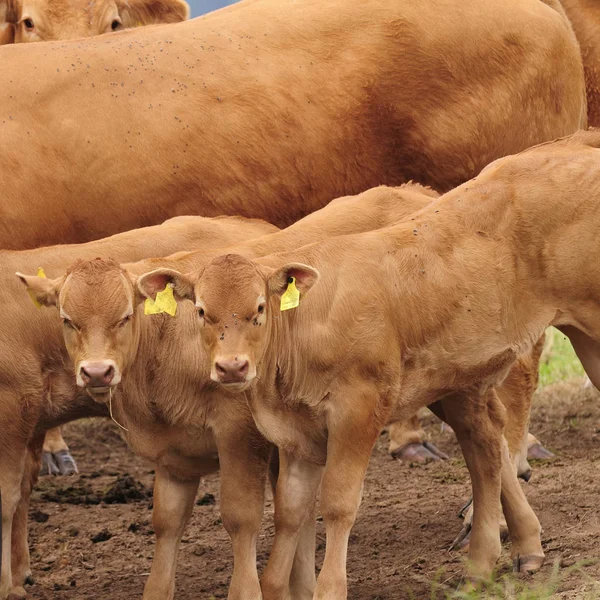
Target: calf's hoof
point(528, 564)
point(538, 452)
point(59, 463)
point(419, 453)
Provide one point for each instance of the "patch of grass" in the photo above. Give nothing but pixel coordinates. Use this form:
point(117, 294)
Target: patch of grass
point(560, 362)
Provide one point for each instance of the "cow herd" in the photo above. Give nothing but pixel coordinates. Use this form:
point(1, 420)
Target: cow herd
point(438, 196)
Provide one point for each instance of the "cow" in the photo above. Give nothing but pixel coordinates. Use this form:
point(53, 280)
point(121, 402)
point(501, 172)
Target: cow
point(235, 113)
point(54, 20)
point(37, 380)
point(438, 308)
point(91, 304)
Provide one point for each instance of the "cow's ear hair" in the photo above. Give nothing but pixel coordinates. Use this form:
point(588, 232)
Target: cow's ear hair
point(155, 281)
point(134, 13)
point(45, 291)
point(9, 17)
point(304, 275)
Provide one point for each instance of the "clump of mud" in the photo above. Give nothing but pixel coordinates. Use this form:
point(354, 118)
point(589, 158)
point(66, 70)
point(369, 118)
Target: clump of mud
point(123, 490)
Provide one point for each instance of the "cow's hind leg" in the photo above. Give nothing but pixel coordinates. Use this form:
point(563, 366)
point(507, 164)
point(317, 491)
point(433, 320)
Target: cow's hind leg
point(57, 459)
point(173, 505)
point(408, 443)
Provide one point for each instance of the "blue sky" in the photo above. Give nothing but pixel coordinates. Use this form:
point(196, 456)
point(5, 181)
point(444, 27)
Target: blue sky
point(199, 7)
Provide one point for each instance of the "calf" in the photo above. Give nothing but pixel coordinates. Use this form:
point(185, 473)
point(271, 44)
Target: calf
point(38, 390)
point(440, 307)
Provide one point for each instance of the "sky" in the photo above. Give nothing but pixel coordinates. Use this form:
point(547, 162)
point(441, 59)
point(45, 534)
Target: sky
point(199, 7)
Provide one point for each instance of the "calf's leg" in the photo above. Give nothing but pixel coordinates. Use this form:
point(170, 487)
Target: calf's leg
point(408, 443)
point(173, 505)
point(295, 496)
point(57, 459)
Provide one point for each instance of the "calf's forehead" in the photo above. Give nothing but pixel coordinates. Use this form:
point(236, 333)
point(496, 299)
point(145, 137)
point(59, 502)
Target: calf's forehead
point(230, 282)
point(88, 294)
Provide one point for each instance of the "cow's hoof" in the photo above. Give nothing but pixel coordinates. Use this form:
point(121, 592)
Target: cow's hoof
point(29, 580)
point(17, 593)
point(526, 475)
point(528, 564)
point(463, 539)
point(538, 452)
point(49, 466)
point(418, 453)
point(66, 463)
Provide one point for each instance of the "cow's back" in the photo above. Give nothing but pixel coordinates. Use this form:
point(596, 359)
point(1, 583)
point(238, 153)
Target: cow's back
point(272, 108)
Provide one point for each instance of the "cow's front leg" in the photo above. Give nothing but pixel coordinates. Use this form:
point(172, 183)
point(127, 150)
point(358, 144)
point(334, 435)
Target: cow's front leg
point(173, 505)
point(408, 442)
point(352, 432)
point(57, 459)
point(297, 486)
point(243, 458)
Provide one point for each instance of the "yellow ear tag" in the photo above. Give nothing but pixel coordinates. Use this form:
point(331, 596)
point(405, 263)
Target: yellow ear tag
point(291, 296)
point(165, 302)
point(40, 273)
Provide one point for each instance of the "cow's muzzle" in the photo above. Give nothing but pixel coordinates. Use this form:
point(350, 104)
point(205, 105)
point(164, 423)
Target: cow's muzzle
point(232, 372)
point(97, 376)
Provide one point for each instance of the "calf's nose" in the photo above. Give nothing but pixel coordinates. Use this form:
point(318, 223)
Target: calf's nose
point(231, 371)
point(97, 374)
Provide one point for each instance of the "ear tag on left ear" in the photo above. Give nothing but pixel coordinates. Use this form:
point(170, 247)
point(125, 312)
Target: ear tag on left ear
point(40, 273)
point(291, 296)
point(165, 302)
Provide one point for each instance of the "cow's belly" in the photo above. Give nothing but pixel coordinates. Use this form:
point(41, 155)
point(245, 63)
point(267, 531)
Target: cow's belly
point(291, 430)
point(185, 453)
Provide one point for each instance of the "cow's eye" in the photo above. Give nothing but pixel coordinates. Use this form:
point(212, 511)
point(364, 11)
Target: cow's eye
point(115, 24)
point(201, 312)
point(69, 324)
point(124, 321)
point(28, 24)
point(261, 308)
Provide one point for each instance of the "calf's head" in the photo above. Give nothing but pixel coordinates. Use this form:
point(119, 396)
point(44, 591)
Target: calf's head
point(236, 302)
point(96, 301)
point(52, 20)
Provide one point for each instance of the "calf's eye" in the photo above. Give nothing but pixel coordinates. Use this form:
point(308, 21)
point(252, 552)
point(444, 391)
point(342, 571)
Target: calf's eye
point(201, 312)
point(28, 23)
point(115, 24)
point(261, 308)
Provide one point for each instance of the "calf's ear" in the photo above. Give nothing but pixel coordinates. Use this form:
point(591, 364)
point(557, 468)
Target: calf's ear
point(156, 281)
point(135, 13)
point(9, 16)
point(304, 275)
point(42, 290)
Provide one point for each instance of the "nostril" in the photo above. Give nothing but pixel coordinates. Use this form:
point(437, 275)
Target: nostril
point(109, 375)
point(243, 370)
point(85, 375)
point(220, 369)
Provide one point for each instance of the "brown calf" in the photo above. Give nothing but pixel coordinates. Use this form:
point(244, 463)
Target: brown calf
point(439, 307)
point(38, 390)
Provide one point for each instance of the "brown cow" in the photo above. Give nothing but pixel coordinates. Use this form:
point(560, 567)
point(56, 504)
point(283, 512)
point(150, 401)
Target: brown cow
point(277, 126)
point(92, 305)
point(440, 306)
point(37, 380)
point(50, 20)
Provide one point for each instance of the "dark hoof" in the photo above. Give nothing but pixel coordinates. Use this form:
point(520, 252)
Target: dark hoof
point(66, 463)
point(463, 539)
point(435, 450)
point(29, 580)
point(463, 511)
point(528, 564)
point(538, 452)
point(49, 466)
point(526, 475)
point(415, 453)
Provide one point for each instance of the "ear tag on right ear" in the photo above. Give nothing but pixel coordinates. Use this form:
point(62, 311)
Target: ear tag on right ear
point(165, 302)
point(291, 296)
point(40, 273)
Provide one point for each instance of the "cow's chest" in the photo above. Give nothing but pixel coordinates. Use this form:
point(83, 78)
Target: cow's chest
point(296, 429)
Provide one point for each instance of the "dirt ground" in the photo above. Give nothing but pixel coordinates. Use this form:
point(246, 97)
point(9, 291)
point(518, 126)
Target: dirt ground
point(94, 550)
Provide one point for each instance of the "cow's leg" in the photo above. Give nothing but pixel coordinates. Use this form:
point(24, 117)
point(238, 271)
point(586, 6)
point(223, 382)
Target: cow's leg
point(536, 450)
point(478, 422)
point(57, 459)
point(21, 567)
point(303, 578)
point(243, 459)
point(352, 433)
point(11, 473)
point(408, 443)
point(173, 505)
point(295, 498)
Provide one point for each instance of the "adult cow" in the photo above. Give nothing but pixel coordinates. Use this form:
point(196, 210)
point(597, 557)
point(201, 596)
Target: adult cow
point(51, 20)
